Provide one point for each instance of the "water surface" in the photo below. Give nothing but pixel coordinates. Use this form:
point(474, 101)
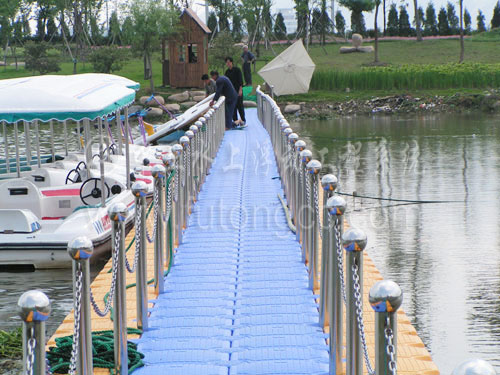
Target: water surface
point(445, 255)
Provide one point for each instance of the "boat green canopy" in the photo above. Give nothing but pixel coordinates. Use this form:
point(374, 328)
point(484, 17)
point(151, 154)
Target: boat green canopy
point(58, 97)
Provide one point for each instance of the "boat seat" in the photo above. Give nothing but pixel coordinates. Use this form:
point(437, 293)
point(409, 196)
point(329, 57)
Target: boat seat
point(46, 177)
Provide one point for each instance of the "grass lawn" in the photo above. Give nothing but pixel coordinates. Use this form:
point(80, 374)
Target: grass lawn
point(482, 48)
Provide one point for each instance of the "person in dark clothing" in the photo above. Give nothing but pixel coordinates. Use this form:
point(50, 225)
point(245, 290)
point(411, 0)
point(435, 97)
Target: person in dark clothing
point(248, 58)
point(210, 86)
point(225, 88)
point(234, 74)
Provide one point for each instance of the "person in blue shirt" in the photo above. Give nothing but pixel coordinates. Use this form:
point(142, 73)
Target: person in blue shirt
point(247, 58)
point(225, 88)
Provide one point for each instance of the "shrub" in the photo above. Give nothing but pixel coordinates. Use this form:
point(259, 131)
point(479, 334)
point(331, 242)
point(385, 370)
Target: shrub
point(108, 59)
point(39, 58)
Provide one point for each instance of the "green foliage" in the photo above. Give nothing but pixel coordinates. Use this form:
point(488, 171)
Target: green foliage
point(404, 26)
point(108, 59)
point(237, 31)
point(224, 10)
point(358, 22)
point(426, 76)
point(443, 26)
point(467, 22)
point(392, 21)
point(212, 22)
point(430, 22)
point(11, 344)
point(114, 29)
point(421, 16)
point(127, 34)
point(223, 46)
point(495, 20)
point(39, 58)
point(357, 7)
point(481, 27)
point(280, 27)
point(301, 14)
point(453, 21)
point(340, 23)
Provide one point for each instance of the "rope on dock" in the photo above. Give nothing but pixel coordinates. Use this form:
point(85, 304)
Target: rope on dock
point(287, 214)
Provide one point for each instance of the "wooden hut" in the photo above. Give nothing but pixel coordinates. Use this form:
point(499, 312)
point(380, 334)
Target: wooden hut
point(187, 53)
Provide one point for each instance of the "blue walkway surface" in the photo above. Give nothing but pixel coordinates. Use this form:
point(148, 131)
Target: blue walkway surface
point(236, 300)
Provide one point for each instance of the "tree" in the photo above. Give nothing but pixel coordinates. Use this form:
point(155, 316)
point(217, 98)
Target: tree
point(114, 29)
point(212, 23)
point(430, 22)
point(495, 20)
point(253, 13)
point(443, 27)
point(237, 26)
point(452, 18)
point(357, 7)
point(481, 27)
point(303, 21)
point(404, 26)
point(8, 12)
point(393, 21)
point(375, 27)
point(108, 59)
point(222, 47)
point(152, 21)
point(462, 47)
point(224, 9)
point(340, 23)
point(40, 59)
point(418, 21)
point(467, 22)
point(127, 34)
point(280, 27)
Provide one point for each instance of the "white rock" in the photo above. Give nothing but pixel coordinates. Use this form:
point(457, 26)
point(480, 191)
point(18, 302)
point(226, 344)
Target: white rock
point(181, 97)
point(357, 40)
point(198, 98)
point(173, 107)
point(19, 63)
point(187, 104)
point(154, 112)
point(249, 104)
point(152, 103)
point(292, 108)
point(196, 93)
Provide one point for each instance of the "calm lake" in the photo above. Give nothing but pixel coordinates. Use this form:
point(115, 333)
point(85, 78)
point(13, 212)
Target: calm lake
point(444, 254)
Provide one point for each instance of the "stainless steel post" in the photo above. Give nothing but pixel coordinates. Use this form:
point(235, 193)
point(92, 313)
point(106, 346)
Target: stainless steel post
point(474, 367)
point(37, 140)
point(313, 169)
point(52, 148)
point(328, 184)
point(140, 191)
point(118, 124)
point(354, 242)
point(118, 214)
point(101, 163)
point(65, 125)
point(191, 165)
point(177, 150)
point(87, 145)
point(34, 310)
point(385, 298)
point(169, 163)
point(6, 145)
point(284, 160)
point(196, 157)
point(158, 172)
point(292, 139)
point(300, 146)
point(80, 249)
point(27, 138)
point(336, 207)
point(305, 158)
point(185, 143)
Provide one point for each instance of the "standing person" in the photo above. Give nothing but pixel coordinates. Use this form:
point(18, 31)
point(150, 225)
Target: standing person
point(210, 85)
point(225, 88)
point(235, 76)
point(248, 58)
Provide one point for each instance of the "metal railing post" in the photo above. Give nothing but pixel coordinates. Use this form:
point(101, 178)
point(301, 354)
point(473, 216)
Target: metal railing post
point(140, 191)
point(158, 173)
point(474, 367)
point(305, 158)
point(313, 169)
point(185, 143)
point(328, 184)
point(354, 242)
point(169, 163)
point(34, 310)
point(335, 292)
point(300, 146)
point(177, 150)
point(385, 298)
point(80, 250)
point(285, 147)
point(191, 148)
point(118, 214)
point(292, 185)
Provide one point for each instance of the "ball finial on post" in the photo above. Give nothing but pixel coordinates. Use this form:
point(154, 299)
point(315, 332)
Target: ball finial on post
point(385, 296)
point(354, 240)
point(80, 248)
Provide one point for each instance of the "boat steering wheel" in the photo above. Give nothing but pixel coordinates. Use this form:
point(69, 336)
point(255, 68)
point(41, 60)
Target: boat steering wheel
point(90, 191)
point(74, 175)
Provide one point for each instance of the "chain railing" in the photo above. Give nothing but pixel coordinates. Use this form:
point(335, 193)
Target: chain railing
point(182, 163)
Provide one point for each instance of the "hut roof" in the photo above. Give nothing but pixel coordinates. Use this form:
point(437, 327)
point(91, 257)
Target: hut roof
point(197, 19)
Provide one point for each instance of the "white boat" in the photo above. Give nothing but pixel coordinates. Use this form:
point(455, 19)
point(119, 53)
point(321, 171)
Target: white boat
point(45, 206)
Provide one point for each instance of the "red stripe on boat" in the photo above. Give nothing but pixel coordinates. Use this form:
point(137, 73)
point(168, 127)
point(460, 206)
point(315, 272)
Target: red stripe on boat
point(146, 180)
point(61, 192)
point(52, 218)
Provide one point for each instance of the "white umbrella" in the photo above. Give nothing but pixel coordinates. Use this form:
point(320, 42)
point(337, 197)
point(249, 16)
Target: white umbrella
point(290, 72)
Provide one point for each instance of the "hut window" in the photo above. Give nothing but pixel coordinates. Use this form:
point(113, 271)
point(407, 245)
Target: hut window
point(182, 53)
point(193, 53)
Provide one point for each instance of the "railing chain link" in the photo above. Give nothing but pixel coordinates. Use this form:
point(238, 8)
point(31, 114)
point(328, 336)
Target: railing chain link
point(359, 315)
point(30, 357)
point(391, 349)
point(93, 302)
point(77, 319)
point(316, 208)
point(169, 199)
point(176, 180)
point(340, 258)
point(156, 203)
